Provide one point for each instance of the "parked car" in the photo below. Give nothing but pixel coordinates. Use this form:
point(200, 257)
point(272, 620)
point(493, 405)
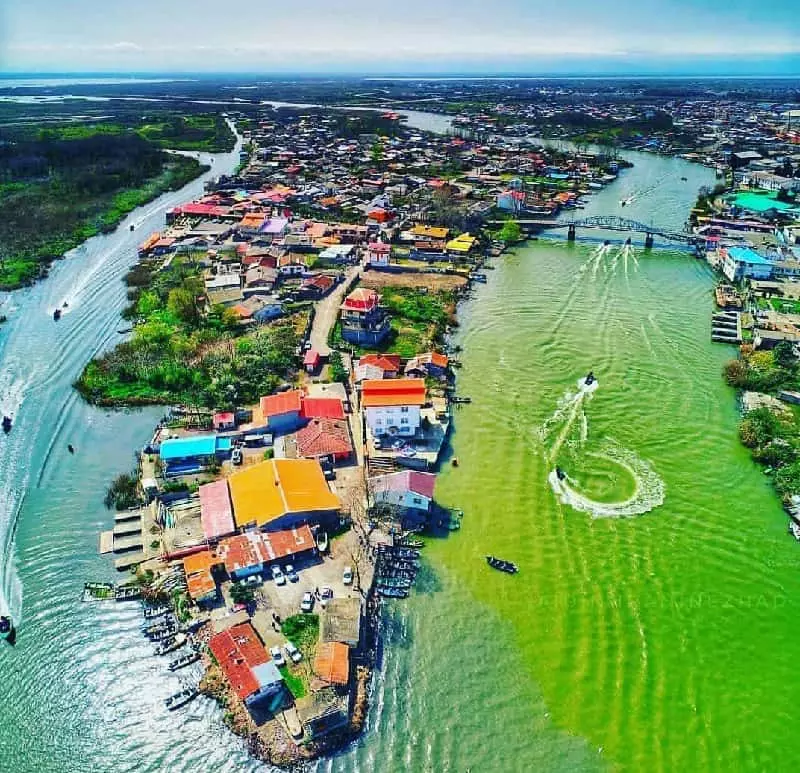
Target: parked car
point(289, 571)
point(277, 656)
point(294, 654)
point(307, 604)
point(325, 595)
point(347, 575)
point(236, 456)
point(278, 576)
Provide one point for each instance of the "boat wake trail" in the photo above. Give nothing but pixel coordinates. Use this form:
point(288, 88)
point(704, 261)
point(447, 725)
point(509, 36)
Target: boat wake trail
point(567, 431)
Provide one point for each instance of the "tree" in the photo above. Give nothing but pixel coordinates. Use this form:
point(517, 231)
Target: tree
point(182, 303)
point(338, 372)
point(510, 232)
point(241, 594)
point(783, 355)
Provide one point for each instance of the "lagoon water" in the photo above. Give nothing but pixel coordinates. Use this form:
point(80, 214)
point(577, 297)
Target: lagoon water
point(661, 641)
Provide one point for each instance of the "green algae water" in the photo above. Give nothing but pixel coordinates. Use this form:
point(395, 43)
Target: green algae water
point(653, 622)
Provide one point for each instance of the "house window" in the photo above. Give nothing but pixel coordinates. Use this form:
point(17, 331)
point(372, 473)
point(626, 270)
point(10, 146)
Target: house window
point(404, 409)
point(404, 421)
point(417, 501)
point(378, 421)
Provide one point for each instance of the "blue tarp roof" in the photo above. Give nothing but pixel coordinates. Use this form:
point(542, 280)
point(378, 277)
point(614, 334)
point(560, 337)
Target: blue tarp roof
point(746, 255)
point(182, 448)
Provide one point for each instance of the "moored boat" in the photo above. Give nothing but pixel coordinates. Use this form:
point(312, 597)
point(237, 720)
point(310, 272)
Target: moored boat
point(393, 593)
point(172, 644)
point(501, 565)
point(180, 698)
point(184, 660)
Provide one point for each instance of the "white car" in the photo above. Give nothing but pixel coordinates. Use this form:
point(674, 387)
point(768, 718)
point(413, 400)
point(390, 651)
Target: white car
point(347, 575)
point(294, 654)
point(289, 571)
point(325, 595)
point(277, 656)
point(278, 575)
point(307, 604)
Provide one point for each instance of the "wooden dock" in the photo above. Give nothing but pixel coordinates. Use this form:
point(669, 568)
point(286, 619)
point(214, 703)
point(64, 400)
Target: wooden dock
point(106, 542)
point(123, 563)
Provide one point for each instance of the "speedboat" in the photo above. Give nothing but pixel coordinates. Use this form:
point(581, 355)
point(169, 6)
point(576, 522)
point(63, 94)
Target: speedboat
point(7, 424)
point(503, 566)
point(180, 698)
point(7, 629)
point(590, 379)
point(560, 474)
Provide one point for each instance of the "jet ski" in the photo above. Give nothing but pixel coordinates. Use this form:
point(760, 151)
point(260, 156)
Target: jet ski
point(7, 629)
point(560, 474)
point(7, 424)
point(590, 379)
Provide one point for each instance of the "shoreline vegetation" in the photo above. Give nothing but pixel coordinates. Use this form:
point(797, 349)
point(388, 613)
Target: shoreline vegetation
point(770, 428)
point(61, 185)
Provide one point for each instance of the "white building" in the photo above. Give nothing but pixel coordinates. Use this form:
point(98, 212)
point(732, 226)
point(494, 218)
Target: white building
point(392, 406)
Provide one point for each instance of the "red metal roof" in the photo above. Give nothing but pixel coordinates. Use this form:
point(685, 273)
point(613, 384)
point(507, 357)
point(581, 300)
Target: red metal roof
point(216, 513)
point(238, 650)
point(361, 299)
point(311, 358)
point(322, 408)
point(253, 548)
point(387, 362)
point(323, 437)
point(283, 402)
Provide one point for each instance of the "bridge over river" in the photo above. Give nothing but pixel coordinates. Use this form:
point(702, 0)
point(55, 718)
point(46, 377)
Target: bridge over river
point(606, 223)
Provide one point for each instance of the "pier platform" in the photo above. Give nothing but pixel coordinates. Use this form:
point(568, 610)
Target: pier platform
point(106, 542)
point(129, 561)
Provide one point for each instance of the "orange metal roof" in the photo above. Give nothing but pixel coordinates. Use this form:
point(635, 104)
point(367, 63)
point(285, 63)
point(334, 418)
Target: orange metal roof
point(395, 391)
point(333, 662)
point(199, 562)
point(274, 488)
point(200, 585)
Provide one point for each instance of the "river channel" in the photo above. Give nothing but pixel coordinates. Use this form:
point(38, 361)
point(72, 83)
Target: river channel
point(660, 641)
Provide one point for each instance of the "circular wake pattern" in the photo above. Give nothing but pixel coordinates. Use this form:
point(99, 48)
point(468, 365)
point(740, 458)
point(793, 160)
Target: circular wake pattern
point(568, 427)
point(648, 492)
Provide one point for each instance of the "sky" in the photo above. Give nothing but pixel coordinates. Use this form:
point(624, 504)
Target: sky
point(410, 36)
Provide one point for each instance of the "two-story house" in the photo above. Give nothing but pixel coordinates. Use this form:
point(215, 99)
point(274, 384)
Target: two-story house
point(392, 406)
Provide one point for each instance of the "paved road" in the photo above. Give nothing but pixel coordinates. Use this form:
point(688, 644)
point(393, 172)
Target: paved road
point(327, 311)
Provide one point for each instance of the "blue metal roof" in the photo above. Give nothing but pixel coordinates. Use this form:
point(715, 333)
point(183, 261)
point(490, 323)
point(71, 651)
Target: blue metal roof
point(746, 255)
point(185, 447)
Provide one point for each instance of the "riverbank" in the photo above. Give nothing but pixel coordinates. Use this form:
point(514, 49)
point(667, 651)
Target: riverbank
point(59, 227)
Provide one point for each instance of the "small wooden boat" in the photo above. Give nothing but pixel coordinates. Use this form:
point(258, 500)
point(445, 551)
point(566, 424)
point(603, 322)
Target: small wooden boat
point(98, 591)
point(180, 698)
point(127, 593)
point(413, 542)
point(152, 612)
point(184, 660)
point(501, 565)
point(393, 593)
point(170, 645)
